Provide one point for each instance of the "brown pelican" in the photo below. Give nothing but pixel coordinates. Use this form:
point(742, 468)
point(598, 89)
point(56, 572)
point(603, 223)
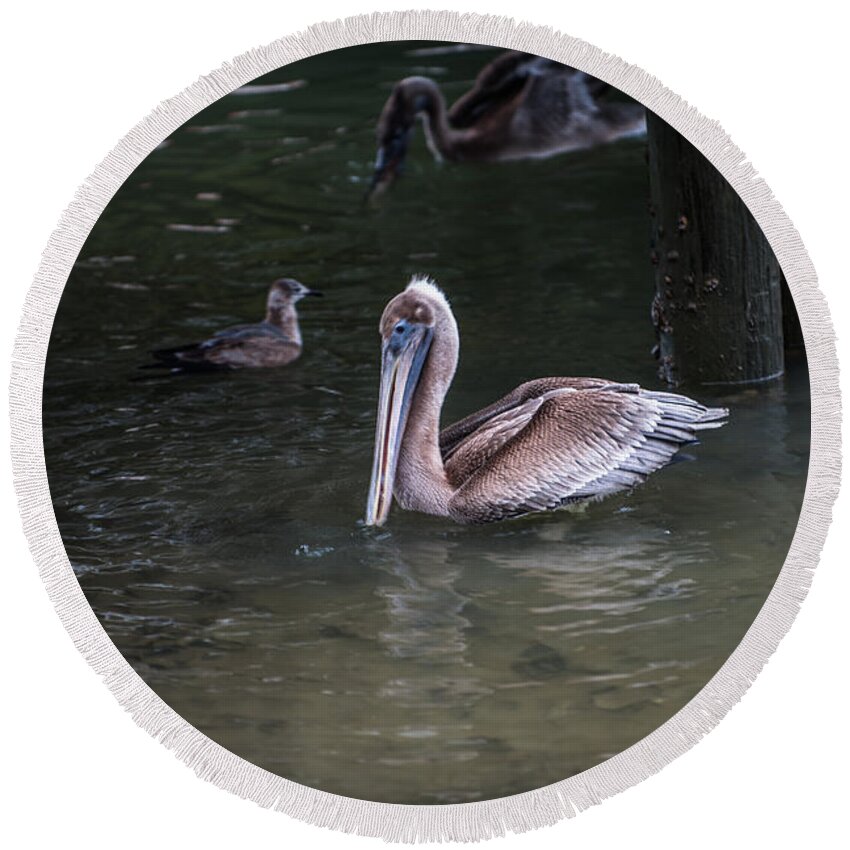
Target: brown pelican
point(521, 106)
point(275, 341)
point(549, 443)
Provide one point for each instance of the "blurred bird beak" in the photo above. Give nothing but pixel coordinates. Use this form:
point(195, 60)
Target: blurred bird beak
point(389, 161)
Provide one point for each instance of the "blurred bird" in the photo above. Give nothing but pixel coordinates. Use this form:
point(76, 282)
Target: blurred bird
point(521, 106)
point(275, 341)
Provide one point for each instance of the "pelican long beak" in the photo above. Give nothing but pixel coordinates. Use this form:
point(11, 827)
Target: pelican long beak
point(402, 357)
point(389, 161)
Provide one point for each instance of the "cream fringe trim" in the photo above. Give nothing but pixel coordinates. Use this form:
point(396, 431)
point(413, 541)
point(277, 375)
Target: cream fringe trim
point(468, 821)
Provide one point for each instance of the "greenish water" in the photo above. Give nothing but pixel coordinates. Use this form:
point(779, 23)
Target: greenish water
point(213, 520)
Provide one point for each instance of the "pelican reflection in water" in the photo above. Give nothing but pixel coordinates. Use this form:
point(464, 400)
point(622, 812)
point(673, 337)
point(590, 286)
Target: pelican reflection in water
point(521, 106)
point(550, 443)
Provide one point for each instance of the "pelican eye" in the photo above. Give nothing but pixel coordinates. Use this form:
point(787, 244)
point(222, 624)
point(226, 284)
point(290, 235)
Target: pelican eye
point(400, 328)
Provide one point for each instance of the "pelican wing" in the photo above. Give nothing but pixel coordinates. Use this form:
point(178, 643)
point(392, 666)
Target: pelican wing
point(453, 435)
point(570, 445)
point(503, 83)
point(524, 99)
point(506, 76)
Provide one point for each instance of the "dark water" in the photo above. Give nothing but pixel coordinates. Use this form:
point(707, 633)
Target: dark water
point(213, 520)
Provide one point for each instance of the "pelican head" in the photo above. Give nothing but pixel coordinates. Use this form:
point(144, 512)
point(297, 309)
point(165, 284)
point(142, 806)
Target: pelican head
point(413, 322)
point(410, 98)
point(285, 291)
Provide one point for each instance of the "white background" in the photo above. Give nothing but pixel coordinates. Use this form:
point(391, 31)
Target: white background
point(76, 77)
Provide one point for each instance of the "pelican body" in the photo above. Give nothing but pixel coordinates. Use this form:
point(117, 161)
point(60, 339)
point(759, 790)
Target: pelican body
point(551, 442)
point(275, 341)
point(521, 106)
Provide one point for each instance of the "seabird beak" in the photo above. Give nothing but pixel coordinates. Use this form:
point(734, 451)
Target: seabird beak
point(403, 355)
point(389, 161)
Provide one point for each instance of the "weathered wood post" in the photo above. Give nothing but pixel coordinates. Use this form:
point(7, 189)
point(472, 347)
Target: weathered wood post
point(718, 297)
point(791, 329)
